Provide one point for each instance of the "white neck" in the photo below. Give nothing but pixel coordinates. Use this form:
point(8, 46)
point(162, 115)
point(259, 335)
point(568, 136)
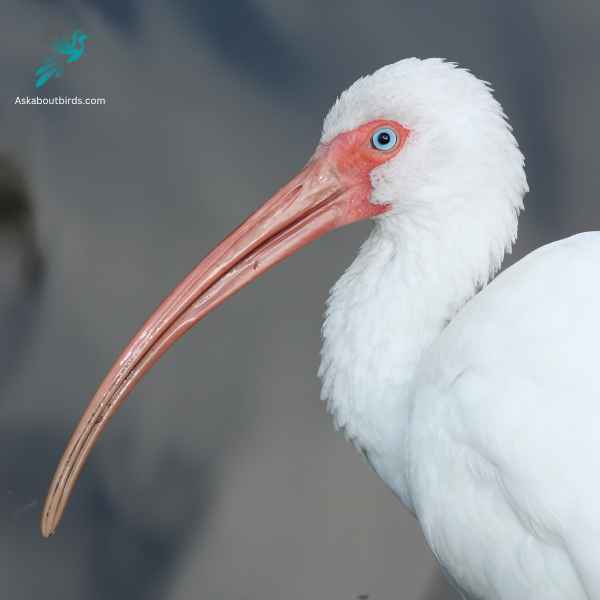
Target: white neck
point(455, 191)
point(388, 307)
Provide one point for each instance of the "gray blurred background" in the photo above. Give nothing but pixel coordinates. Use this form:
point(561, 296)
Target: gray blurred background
point(222, 477)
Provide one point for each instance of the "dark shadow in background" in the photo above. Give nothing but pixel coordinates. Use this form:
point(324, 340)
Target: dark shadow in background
point(123, 14)
point(239, 32)
point(21, 267)
point(535, 80)
point(247, 39)
point(16, 215)
point(121, 554)
point(133, 561)
point(119, 557)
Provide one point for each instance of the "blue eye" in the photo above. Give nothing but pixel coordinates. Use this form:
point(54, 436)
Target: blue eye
point(385, 138)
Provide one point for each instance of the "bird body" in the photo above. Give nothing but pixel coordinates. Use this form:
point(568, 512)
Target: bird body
point(476, 402)
point(503, 431)
point(489, 438)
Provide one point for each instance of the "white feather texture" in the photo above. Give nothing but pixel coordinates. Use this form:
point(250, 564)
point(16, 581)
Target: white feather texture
point(456, 189)
point(478, 408)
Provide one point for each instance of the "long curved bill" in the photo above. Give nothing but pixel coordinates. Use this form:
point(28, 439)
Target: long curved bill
point(314, 202)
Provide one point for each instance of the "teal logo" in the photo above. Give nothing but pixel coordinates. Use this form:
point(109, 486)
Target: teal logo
point(64, 51)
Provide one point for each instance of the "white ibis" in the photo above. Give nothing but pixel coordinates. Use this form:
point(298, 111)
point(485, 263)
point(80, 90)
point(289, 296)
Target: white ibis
point(477, 404)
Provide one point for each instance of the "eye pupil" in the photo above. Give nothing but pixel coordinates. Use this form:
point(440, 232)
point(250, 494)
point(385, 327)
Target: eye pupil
point(384, 138)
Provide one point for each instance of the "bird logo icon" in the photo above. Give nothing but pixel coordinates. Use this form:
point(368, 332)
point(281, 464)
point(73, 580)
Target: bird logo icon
point(65, 51)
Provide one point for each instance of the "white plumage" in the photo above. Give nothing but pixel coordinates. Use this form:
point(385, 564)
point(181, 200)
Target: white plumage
point(480, 410)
